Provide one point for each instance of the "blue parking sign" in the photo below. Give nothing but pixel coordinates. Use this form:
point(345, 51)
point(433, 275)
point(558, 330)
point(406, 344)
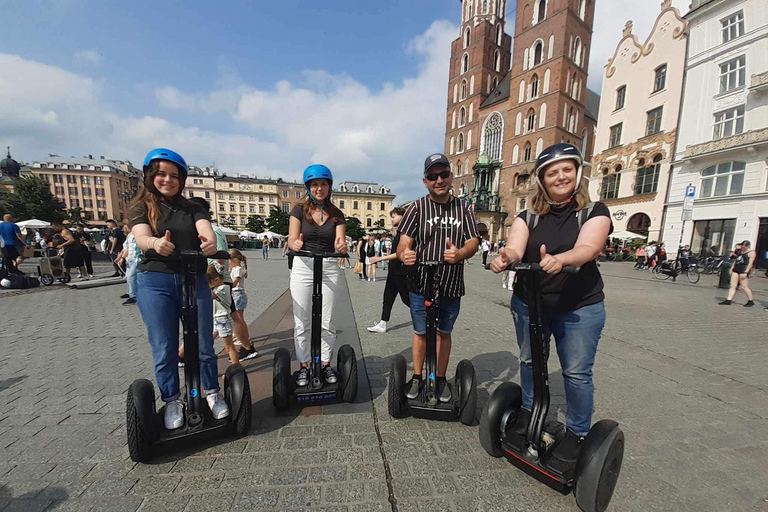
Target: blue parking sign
point(690, 191)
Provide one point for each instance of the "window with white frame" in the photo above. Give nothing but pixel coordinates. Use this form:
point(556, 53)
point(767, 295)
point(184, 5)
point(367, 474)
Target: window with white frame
point(498, 34)
point(723, 179)
point(530, 121)
point(458, 168)
point(621, 96)
point(461, 143)
point(610, 186)
point(497, 61)
point(582, 9)
point(615, 139)
point(485, 6)
point(733, 26)
point(577, 51)
point(538, 53)
point(463, 94)
point(541, 11)
point(462, 117)
point(653, 125)
point(733, 74)
point(467, 37)
point(527, 152)
point(534, 86)
point(465, 63)
point(492, 137)
point(647, 178)
point(660, 78)
point(729, 122)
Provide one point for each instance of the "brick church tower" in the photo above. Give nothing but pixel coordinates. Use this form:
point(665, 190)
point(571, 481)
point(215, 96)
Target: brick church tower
point(541, 100)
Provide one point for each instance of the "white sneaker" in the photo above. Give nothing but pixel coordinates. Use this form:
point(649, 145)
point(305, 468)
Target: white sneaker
point(174, 414)
point(504, 286)
point(379, 327)
point(218, 405)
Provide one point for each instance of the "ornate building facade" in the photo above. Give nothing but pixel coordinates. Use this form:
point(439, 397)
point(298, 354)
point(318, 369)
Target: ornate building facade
point(637, 124)
point(500, 116)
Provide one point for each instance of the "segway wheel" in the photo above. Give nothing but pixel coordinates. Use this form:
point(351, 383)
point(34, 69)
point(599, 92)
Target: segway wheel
point(46, 279)
point(466, 392)
point(281, 379)
point(237, 391)
point(396, 388)
point(597, 475)
point(503, 407)
point(140, 419)
point(65, 278)
point(346, 363)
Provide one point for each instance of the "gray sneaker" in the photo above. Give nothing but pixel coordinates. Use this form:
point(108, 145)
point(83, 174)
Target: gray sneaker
point(302, 379)
point(413, 389)
point(174, 414)
point(444, 391)
point(218, 405)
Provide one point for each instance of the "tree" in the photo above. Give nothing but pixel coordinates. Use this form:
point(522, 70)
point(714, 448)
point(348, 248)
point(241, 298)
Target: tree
point(76, 218)
point(378, 228)
point(277, 222)
point(32, 199)
point(355, 228)
point(255, 224)
point(228, 222)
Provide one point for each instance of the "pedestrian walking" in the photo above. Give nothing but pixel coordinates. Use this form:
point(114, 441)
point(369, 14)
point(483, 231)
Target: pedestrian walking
point(265, 248)
point(316, 225)
point(739, 274)
point(561, 228)
point(115, 245)
point(485, 246)
point(650, 252)
point(130, 256)
point(640, 257)
point(370, 253)
point(438, 226)
point(397, 278)
point(86, 241)
point(167, 223)
point(10, 235)
point(73, 253)
point(361, 255)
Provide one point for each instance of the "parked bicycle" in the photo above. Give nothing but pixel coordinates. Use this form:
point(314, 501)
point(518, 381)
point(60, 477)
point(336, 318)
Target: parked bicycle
point(667, 270)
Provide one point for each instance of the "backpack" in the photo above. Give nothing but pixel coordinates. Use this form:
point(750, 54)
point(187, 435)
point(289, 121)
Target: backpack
point(532, 218)
point(370, 251)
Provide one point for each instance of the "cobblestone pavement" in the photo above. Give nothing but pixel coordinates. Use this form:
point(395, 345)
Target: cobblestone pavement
point(685, 378)
point(698, 443)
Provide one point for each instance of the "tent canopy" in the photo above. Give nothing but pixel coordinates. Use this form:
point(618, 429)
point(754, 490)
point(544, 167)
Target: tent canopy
point(270, 235)
point(625, 235)
point(248, 234)
point(34, 224)
point(228, 231)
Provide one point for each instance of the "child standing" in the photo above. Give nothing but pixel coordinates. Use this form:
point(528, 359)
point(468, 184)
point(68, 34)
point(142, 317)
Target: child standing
point(222, 319)
point(238, 269)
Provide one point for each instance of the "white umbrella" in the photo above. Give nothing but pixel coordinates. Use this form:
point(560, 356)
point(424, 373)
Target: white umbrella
point(34, 224)
point(248, 234)
point(270, 235)
point(228, 231)
point(625, 235)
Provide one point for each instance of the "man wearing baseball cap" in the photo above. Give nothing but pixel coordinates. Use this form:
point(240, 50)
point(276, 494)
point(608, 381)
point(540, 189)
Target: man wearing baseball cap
point(436, 227)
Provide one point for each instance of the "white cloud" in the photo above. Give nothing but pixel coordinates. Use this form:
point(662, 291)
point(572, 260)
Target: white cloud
point(88, 56)
point(610, 17)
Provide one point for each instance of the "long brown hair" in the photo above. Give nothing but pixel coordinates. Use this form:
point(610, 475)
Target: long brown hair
point(148, 199)
point(234, 254)
point(538, 201)
point(308, 206)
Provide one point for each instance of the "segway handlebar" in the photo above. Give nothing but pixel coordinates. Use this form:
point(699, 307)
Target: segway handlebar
point(318, 254)
point(151, 254)
point(535, 267)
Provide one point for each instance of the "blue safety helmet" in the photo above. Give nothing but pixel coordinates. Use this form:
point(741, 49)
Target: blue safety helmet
point(316, 172)
point(166, 154)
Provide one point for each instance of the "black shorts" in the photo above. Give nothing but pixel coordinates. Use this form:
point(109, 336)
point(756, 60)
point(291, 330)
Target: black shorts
point(232, 307)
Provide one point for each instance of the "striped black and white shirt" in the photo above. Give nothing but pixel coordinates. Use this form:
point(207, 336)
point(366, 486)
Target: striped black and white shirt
point(429, 224)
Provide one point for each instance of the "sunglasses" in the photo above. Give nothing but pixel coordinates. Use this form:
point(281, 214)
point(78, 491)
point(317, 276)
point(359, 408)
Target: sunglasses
point(433, 177)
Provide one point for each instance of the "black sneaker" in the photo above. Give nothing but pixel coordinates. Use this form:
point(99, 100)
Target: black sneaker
point(521, 427)
point(413, 388)
point(124, 296)
point(129, 301)
point(303, 378)
point(444, 391)
point(245, 355)
point(329, 375)
point(116, 274)
point(749, 304)
point(569, 448)
point(726, 302)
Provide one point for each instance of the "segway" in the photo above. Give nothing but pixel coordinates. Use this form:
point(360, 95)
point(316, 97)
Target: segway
point(145, 426)
point(593, 477)
point(317, 391)
point(427, 404)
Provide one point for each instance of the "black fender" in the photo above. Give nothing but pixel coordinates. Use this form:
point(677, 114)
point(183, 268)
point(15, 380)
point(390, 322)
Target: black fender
point(234, 379)
point(346, 364)
point(508, 396)
point(598, 467)
point(466, 399)
point(593, 443)
point(143, 392)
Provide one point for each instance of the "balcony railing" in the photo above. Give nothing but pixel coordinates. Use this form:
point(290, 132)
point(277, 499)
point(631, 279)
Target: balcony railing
point(743, 139)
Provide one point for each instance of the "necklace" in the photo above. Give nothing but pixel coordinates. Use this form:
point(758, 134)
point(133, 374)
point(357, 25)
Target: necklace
point(170, 207)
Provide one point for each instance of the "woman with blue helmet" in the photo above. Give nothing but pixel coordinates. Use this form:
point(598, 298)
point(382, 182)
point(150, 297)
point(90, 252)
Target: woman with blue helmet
point(164, 221)
point(316, 224)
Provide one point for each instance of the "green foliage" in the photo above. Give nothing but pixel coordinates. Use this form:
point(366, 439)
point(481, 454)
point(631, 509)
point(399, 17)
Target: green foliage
point(378, 228)
point(228, 222)
point(76, 218)
point(277, 222)
point(355, 228)
point(32, 199)
point(255, 224)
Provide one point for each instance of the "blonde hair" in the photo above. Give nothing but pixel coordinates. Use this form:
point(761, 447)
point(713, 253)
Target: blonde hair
point(234, 254)
point(538, 200)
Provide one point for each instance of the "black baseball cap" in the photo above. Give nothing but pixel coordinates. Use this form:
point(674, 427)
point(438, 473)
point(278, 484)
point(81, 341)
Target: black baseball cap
point(437, 158)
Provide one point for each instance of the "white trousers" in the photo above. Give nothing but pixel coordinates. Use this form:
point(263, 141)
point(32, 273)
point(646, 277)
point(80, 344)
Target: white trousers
point(301, 294)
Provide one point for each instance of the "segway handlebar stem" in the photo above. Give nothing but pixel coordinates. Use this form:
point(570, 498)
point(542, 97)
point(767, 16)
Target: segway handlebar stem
point(151, 254)
point(535, 267)
point(318, 254)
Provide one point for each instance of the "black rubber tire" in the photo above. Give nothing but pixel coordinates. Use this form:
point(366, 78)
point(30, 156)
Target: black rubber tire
point(346, 365)
point(692, 275)
point(507, 395)
point(396, 389)
point(65, 278)
point(46, 279)
point(242, 423)
point(281, 379)
point(141, 395)
point(597, 481)
point(466, 392)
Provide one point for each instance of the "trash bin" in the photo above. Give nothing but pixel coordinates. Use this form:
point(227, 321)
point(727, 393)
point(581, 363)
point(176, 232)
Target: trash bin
point(725, 274)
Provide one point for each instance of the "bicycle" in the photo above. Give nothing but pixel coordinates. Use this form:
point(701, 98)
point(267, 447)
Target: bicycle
point(664, 271)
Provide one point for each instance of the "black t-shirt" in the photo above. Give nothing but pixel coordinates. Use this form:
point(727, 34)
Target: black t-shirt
point(429, 224)
point(117, 234)
point(559, 230)
point(317, 238)
point(396, 267)
point(179, 218)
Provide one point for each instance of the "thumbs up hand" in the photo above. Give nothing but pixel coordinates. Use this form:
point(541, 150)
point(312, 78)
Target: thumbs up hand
point(549, 264)
point(501, 262)
point(163, 246)
point(298, 243)
point(452, 254)
point(207, 246)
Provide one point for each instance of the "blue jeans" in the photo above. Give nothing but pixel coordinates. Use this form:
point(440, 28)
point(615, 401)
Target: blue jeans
point(160, 300)
point(576, 335)
point(131, 272)
point(447, 313)
point(265, 252)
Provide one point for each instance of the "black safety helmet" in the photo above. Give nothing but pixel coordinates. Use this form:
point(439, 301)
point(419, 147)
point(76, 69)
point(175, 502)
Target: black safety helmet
point(556, 153)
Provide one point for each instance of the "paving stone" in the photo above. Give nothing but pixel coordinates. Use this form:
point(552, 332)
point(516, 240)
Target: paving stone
point(367, 471)
point(329, 474)
point(164, 503)
point(243, 479)
point(343, 493)
point(193, 465)
point(109, 487)
point(287, 476)
point(210, 502)
point(149, 485)
point(249, 500)
point(196, 483)
point(305, 496)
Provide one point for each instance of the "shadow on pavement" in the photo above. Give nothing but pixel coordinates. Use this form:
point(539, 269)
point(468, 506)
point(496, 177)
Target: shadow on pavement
point(34, 500)
point(7, 383)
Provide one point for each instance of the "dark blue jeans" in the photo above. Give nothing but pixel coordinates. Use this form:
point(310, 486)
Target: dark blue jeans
point(576, 335)
point(159, 299)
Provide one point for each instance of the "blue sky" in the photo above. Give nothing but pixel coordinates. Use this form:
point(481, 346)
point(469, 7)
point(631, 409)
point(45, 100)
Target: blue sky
point(258, 87)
